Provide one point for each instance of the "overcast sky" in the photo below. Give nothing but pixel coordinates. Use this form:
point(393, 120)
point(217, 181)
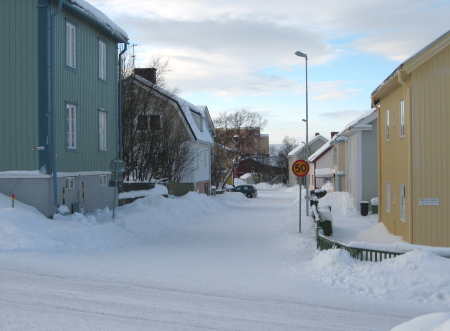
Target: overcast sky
point(238, 54)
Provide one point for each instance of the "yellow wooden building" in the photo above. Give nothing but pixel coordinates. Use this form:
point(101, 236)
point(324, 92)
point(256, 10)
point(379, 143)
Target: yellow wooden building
point(413, 142)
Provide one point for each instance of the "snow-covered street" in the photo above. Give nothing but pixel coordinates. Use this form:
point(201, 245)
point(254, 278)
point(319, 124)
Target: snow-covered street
point(193, 263)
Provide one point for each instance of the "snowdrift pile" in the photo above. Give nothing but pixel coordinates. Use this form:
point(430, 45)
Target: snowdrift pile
point(24, 228)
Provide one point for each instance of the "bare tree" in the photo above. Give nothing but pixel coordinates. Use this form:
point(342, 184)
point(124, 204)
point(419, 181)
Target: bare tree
point(218, 167)
point(281, 155)
point(156, 144)
point(236, 133)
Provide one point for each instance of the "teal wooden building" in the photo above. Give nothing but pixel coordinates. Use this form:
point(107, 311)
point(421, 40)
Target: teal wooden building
point(59, 103)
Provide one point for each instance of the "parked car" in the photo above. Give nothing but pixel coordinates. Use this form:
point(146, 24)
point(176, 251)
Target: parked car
point(249, 190)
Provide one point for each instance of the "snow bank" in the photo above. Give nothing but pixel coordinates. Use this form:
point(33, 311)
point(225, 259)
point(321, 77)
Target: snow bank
point(329, 187)
point(5, 202)
point(430, 322)
point(24, 228)
point(238, 181)
point(417, 276)
point(157, 190)
point(378, 234)
point(265, 186)
point(341, 203)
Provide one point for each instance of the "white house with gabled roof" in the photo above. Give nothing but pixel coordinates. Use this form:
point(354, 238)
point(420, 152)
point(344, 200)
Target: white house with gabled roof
point(196, 121)
point(362, 157)
point(321, 169)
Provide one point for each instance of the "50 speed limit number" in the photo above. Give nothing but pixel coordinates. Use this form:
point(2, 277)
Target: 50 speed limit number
point(300, 168)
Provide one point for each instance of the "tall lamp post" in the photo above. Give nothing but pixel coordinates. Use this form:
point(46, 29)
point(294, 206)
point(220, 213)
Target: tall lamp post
point(306, 120)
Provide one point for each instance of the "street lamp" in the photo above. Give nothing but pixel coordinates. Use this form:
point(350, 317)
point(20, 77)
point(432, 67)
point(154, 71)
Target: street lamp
point(304, 149)
point(306, 120)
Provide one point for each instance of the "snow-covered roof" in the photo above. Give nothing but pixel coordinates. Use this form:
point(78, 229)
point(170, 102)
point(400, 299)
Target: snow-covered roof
point(408, 60)
point(325, 172)
point(205, 112)
point(365, 118)
point(185, 108)
point(358, 122)
point(246, 176)
point(321, 150)
point(89, 11)
point(202, 135)
point(300, 148)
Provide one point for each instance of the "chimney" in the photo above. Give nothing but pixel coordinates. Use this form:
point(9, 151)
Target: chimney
point(317, 134)
point(333, 133)
point(146, 73)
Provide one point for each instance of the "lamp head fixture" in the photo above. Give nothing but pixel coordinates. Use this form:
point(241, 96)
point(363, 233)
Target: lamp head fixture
point(304, 120)
point(301, 54)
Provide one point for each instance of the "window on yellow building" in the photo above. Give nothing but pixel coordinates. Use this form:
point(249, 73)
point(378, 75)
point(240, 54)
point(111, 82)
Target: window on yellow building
point(388, 196)
point(402, 118)
point(402, 203)
point(387, 125)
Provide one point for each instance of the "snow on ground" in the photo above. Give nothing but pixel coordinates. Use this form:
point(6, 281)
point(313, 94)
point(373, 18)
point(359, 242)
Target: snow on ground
point(24, 228)
point(417, 276)
point(429, 322)
point(195, 246)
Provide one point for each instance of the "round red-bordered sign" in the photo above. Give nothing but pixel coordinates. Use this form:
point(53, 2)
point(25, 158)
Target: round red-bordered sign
point(300, 168)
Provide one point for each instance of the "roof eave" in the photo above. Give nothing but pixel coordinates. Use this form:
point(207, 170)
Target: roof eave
point(77, 11)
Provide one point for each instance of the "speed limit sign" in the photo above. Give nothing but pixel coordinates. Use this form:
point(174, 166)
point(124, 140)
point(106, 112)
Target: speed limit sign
point(300, 168)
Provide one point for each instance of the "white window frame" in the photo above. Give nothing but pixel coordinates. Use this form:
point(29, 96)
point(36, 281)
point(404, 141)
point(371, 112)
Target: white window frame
point(70, 183)
point(103, 180)
point(102, 130)
point(402, 118)
point(102, 60)
point(402, 203)
point(388, 196)
point(387, 124)
point(71, 45)
point(71, 126)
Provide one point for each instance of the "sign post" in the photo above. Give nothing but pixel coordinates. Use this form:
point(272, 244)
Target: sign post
point(117, 167)
point(300, 168)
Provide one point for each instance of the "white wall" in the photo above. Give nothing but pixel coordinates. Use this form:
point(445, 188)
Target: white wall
point(202, 164)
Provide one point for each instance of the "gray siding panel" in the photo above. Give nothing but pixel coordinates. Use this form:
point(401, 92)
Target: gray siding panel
point(38, 192)
point(18, 81)
point(370, 163)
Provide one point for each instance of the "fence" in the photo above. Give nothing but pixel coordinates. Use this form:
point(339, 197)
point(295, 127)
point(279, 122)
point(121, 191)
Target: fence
point(180, 189)
point(361, 254)
point(137, 186)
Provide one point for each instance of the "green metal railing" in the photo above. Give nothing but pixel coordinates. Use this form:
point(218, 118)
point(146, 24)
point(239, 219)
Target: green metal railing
point(362, 254)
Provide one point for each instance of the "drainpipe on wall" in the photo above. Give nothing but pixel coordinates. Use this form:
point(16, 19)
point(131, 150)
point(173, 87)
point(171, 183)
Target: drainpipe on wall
point(374, 104)
point(119, 109)
point(210, 166)
point(408, 110)
point(52, 101)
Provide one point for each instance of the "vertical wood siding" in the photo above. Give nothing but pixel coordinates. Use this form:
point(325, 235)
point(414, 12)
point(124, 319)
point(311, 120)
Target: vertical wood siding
point(394, 163)
point(18, 82)
point(84, 88)
point(431, 102)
